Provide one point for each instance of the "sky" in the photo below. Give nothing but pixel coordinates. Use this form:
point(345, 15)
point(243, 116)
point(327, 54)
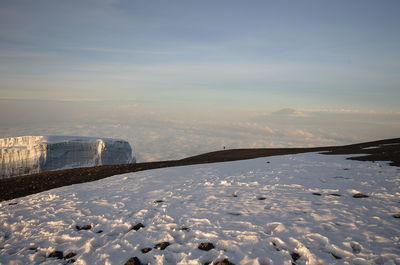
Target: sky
point(196, 75)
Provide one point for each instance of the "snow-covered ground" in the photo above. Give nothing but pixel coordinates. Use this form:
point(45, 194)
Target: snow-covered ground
point(33, 154)
point(294, 209)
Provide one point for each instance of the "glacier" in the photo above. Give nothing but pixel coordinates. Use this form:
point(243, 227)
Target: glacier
point(25, 155)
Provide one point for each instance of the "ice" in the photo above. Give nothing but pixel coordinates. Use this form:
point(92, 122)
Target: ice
point(189, 205)
point(32, 154)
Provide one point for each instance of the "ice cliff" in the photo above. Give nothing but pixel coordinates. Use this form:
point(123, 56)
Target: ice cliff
point(33, 154)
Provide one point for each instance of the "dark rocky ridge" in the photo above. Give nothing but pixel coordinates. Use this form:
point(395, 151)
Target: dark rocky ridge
point(10, 188)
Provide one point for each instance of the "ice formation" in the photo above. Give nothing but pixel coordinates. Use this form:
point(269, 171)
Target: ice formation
point(32, 154)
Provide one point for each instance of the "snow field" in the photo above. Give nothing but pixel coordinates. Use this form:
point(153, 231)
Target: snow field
point(294, 209)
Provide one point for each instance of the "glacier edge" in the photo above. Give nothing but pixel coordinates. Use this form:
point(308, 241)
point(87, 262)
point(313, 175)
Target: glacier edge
point(33, 154)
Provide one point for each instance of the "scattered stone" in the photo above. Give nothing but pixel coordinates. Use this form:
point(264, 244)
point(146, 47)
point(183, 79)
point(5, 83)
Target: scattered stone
point(206, 246)
point(70, 255)
point(335, 194)
point(261, 198)
point(133, 261)
point(224, 262)
point(99, 232)
point(185, 228)
point(397, 215)
point(162, 245)
point(158, 201)
point(336, 256)
point(317, 193)
point(137, 227)
point(56, 254)
point(85, 227)
point(360, 195)
point(235, 214)
point(234, 195)
point(295, 256)
point(145, 250)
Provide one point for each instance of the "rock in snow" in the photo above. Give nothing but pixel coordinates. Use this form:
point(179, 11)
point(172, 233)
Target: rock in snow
point(33, 154)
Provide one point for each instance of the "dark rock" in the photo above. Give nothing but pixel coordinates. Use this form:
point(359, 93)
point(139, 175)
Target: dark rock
point(71, 261)
point(206, 246)
point(224, 262)
point(56, 254)
point(85, 227)
point(70, 255)
point(346, 168)
point(13, 203)
point(137, 227)
point(268, 162)
point(133, 261)
point(336, 256)
point(235, 214)
point(145, 250)
point(158, 201)
point(185, 228)
point(397, 215)
point(261, 198)
point(360, 195)
point(162, 245)
point(234, 195)
point(295, 256)
point(99, 232)
point(317, 193)
point(33, 248)
point(335, 194)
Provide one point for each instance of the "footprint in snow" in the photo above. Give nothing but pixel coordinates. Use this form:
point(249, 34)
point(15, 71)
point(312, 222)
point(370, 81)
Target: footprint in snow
point(234, 214)
point(356, 247)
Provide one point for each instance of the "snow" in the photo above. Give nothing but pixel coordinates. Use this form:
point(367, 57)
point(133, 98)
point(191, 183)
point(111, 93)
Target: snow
point(32, 154)
point(273, 210)
point(376, 147)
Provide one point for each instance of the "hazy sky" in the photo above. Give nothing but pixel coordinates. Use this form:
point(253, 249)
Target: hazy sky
point(219, 60)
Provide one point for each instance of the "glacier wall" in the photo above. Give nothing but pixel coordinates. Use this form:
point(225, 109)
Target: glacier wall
point(33, 154)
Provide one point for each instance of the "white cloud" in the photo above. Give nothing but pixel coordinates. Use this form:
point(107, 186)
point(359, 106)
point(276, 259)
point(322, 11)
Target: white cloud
point(288, 112)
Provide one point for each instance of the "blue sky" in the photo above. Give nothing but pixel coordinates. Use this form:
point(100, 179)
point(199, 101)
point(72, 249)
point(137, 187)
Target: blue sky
point(321, 53)
point(211, 60)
